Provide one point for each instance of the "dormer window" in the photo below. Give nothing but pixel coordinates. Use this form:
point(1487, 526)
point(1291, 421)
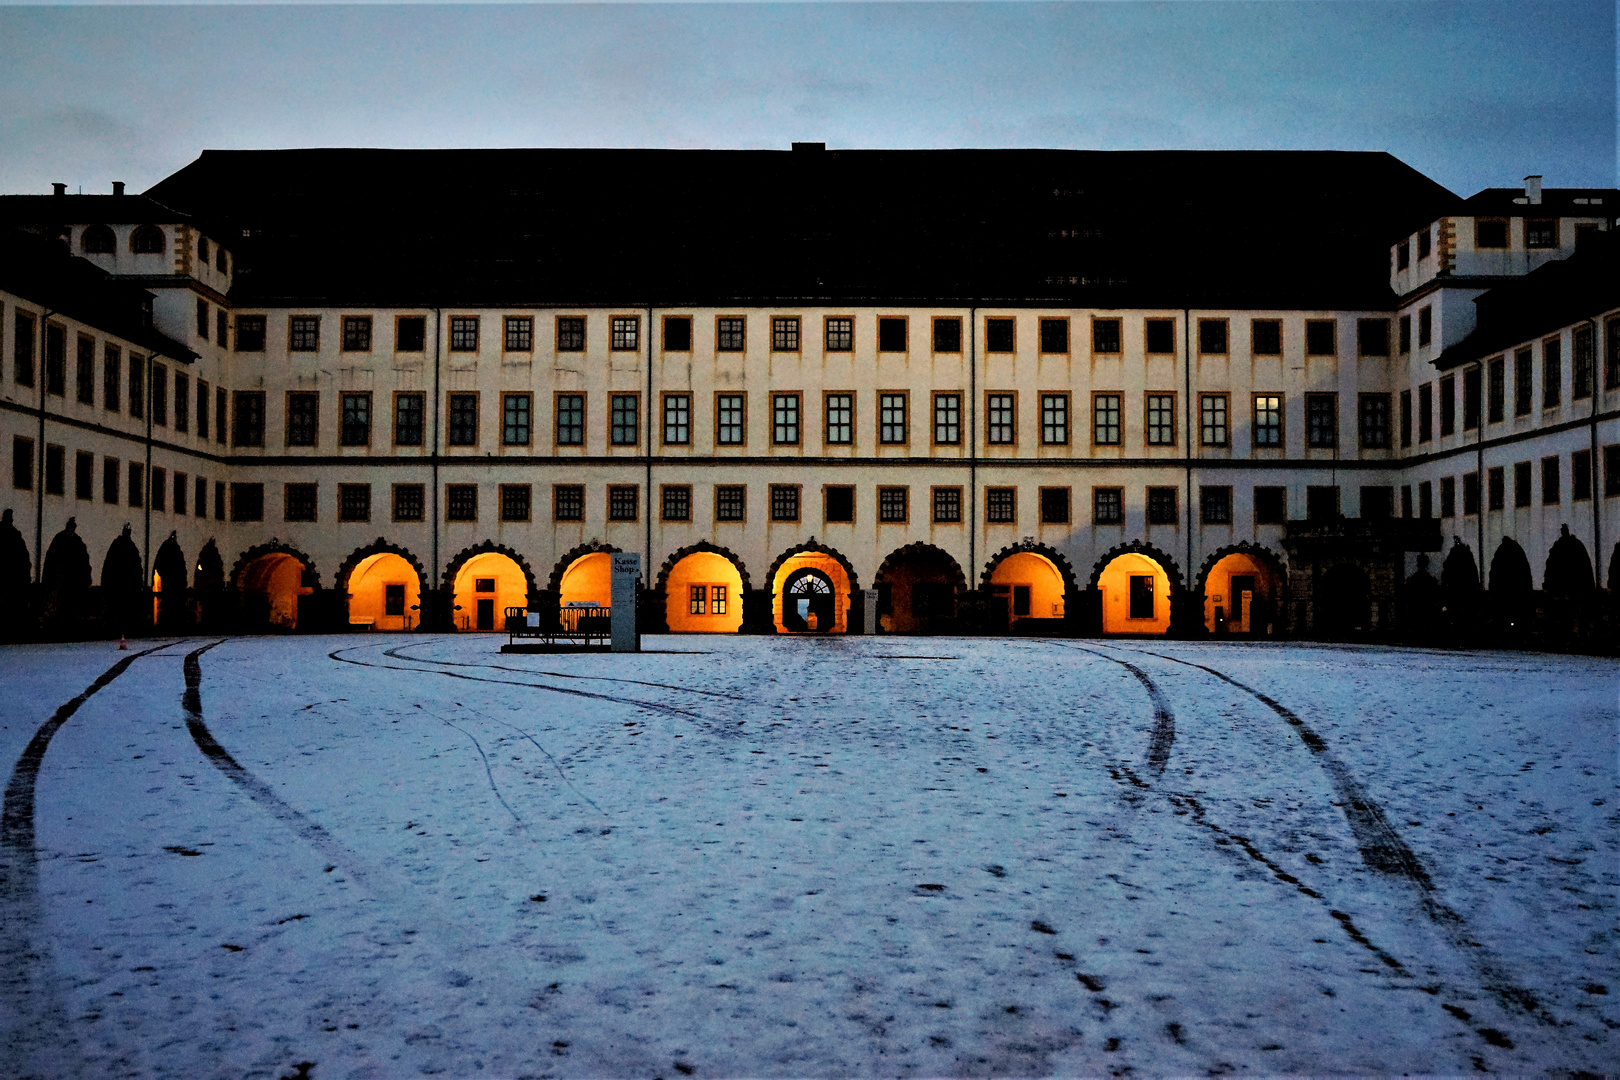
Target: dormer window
point(1541, 233)
point(97, 240)
point(147, 240)
point(1490, 233)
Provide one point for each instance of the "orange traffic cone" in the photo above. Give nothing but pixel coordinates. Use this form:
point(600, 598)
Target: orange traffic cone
point(123, 643)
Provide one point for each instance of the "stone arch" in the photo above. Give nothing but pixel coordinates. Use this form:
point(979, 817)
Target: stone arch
point(1510, 570)
point(810, 545)
point(692, 549)
point(15, 565)
point(1032, 547)
point(378, 546)
point(1459, 573)
point(569, 557)
point(170, 564)
point(920, 589)
point(210, 575)
point(1258, 552)
point(98, 240)
point(1222, 606)
point(312, 576)
point(924, 549)
point(147, 240)
point(67, 562)
point(1569, 568)
point(487, 547)
point(1135, 547)
point(121, 569)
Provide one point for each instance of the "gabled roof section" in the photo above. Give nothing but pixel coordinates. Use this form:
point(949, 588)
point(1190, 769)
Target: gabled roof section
point(358, 227)
point(1583, 286)
point(42, 270)
point(1555, 202)
point(37, 210)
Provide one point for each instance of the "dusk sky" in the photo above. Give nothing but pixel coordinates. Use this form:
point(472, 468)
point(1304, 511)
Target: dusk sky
point(1473, 94)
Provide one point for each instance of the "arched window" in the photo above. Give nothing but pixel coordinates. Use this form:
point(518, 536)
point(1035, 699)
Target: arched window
point(146, 240)
point(97, 240)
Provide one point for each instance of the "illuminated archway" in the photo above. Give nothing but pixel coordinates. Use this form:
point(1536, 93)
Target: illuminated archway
point(1135, 595)
point(169, 584)
point(1241, 592)
point(385, 592)
point(810, 591)
point(588, 579)
point(485, 586)
point(1030, 585)
point(271, 585)
point(703, 594)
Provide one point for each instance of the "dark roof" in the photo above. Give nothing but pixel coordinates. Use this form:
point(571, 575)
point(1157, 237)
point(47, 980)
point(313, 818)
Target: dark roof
point(1552, 296)
point(35, 210)
point(40, 269)
point(1555, 202)
point(359, 227)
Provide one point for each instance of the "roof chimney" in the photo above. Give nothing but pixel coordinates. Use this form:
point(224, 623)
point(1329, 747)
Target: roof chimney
point(58, 189)
point(810, 146)
point(118, 187)
point(1532, 190)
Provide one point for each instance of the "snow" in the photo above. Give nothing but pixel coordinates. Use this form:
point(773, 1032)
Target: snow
point(812, 857)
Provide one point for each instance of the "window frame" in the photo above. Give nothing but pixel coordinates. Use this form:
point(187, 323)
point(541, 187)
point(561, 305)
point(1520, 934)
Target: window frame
point(450, 397)
point(905, 503)
point(294, 332)
point(1255, 426)
point(1118, 397)
point(663, 336)
point(798, 502)
point(1068, 339)
point(557, 502)
point(1097, 323)
point(827, 418)
point(421, 422)
point(935, 398)
point(251, 332)
point(507, 398)
point(399, 335)
point(394, 502)
point(1148, 398)
point(1148, 323)
point(1505, 224)
point(1040, 504)
point(301, 513)
point(345, 489)
point(1209, 500)
point(1007, 494)
point(1175, 504)
point(252, 435)
point(619, 490)
point(721, 335)
point(1225, 400)
point(287, 427)
point(827, 345)
point(905, 329)
point(1322, 404)
point(1332, 328)
point(777, 398)
point(741, 424)
point(742, 513)
point(565, 345)
point(450, 489)
point(1254, 337)
point(933, 335)
point(1097, 500)
point(356, 334)
point(784, 327)
point(557, 418)
point(1366, 350)
point(1008, 321)
point(1367, 405)
point(1010, 397)
point(664, 493)
point(519, 328)
point(664, 405)
point(1225, 335)
point(616, 324)
point(904, 397)
point(344, 398)
point(854, 504)
point(615, 399)
point(1067, 397)
point(934, 492)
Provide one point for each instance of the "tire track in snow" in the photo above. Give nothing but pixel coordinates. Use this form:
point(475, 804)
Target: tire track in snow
point(397, 651)
point(1164, 720)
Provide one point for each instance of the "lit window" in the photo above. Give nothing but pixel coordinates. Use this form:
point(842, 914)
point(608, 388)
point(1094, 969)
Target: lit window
point(785, 419)
point(730, 333)
point(624, 333)
point(1268, 419)
point(1000, 427)
point(1161, 419)
point(570, 419)
point(840, 409)
point(1105, 419)
point(515, 409)
point(891, 419)
point(625, 421)
point(728, 420)
point(785, 333)
point(1212, 422)
point(948, 419)
point(677, 419)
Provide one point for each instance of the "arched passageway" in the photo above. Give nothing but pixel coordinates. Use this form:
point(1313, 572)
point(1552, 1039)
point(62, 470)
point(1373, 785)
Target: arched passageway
point(811, 591)
point(485, 586)
point(588, 580)
point(918, 588)
point(385, 592)
point(1568, 571)
point(169, 584)
point(67, 563)
point(703, 594)
point(15, 566)
point(1510, 571)
point(1240, 595)
point(272, 586)
point(1135, 595)
point(1343, 602)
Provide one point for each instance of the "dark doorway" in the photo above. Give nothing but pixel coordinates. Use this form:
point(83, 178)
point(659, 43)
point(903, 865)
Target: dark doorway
point(1020, 601)
point(393, 600)
point(1141, 596)
point(486, 613)
point(1343, 603)
point(808, 601)
point(1242, 603)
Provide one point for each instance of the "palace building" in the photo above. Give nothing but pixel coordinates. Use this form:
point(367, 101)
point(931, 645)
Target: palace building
point(1291, 394)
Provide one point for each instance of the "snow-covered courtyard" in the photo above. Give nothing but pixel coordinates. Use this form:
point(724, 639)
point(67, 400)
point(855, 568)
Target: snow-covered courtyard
point(372, 856)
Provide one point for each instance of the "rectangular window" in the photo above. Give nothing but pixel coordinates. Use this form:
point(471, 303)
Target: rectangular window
point(159, 394)
point(947, 505)
point(1105, 336)
point(1161, 505)
point(1001, 505)
point(463, 430)
point(516, 410)
point(1580, 381)
point(838, 504)
point(784, 502)
point(1521, 484)
point(948, 419)
point(1266, 337)
point(1470, 399)
point(1403, 255)
point(1212, 337)
point(1321, 337)
point(247, 502)
point(1270, 505)
point(1490, 233)
point(85, 371)
point(1105, 419)
point(1523, 373)
point(1611, 361)
point(303, 333)
point(357, 333)
point(1322, 420)
point(303, 418)
point(22, 349)
point(677, 333)
point(1108, 506)
point(1551, 493)
point(410, 333)
point(894, 504)
point(729, 420)
point(249, 333)
point(717, 600)
point(571, 333)
point(109, 483)
point(1580, 475)
point(182, 401)
point(1611, 471)
point(1496, 487)
point(55, 467)
point(1372, 337)
point(624, 333)
point(180, 493)
point(1496, 390)
point(785, 333)
point(298, 502)
point(840, 333)
point(1425, 412)
point(947, 335)
point(1425, 325)
point(677, 419)
point(112, 383)
point(1406, 418)
point(1054, 505)
point(409, 502)
point(730, 333)
point(892, 335)
point(220, 398)
point(356, 429)
point(677, 502)
point(1215, 505)
point(137, 386)
point(1374, 421)
point(624, 501)
point(1470, 493)
point(137, 484)
point(1541, 233)
point(219, 500)
point(408, 422)
point(624, 419)
point(1448, 497)
point(1054, 335)
point(892, 419)
point(1000, 335)
point(1424, 240)
point(1377, 503)
point(840, 410)
point(1160, 336)
point(1055, 419)
point(785, 419)
point(247, 428)
point(463, 333)
point(55, 360)
point(1212, 419)
point(730, 502)
point(1268, 420)
point(1448, 406)
point(519, 333)
point(1405, 334)
point(461, 502)
point(570, 419)
point(568, 502)
point(697, 600)
point(1000, 417)
point(354, 502)
point(1321, 503)
point(1160, 416)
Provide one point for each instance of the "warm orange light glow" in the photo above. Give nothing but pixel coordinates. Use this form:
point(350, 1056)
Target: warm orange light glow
point(708, 571)
point(589, 577)
point(485, 609)
point(1115, 584)
point(280, 578)
point(1028, 570)
point(822, 564)
point(369, 588)
point(1236, 611)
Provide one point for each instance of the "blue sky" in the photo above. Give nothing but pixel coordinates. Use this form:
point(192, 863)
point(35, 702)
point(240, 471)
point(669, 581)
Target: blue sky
point(1474, 94)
